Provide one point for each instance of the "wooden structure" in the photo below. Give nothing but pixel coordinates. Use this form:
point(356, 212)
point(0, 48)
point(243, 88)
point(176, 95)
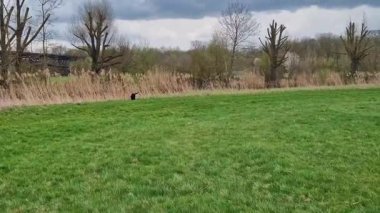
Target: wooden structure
point(55, 63)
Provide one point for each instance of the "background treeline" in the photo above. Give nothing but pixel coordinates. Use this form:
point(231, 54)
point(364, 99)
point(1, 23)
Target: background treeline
point(234, 51)
point(235, 57)
point(208, 61)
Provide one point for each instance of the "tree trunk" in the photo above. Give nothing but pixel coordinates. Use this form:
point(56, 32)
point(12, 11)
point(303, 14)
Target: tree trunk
point(44, 49)
point(354, 69)
point(19, 33)
point(271, 79)
point(232, 62)
point(95, 65)
point(5, 41)
point(4, 81)
point(18, 62)
point(232, 59)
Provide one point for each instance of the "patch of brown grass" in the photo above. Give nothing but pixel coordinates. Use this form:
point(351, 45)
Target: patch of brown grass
point(86, 87)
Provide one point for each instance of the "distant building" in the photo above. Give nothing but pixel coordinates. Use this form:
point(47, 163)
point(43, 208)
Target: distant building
point(59, 64)
point(374, 33)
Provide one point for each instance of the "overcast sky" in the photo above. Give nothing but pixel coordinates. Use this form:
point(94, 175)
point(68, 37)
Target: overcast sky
point(175, 23)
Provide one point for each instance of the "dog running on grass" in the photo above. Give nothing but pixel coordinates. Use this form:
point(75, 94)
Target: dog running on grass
point(133, 96)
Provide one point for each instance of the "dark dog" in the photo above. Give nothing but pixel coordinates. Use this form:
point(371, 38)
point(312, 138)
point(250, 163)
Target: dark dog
point(133, 96)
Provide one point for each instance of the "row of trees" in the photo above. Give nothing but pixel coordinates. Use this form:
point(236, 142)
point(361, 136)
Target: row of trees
point(238, 26)
point(94, 36)
point(237, 30)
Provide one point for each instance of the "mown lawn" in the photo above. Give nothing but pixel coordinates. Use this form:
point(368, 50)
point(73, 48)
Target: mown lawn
point(303, 151)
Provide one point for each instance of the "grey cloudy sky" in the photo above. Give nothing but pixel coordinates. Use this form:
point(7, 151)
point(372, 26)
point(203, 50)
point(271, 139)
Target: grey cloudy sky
point(175, 23)
point(157, 9)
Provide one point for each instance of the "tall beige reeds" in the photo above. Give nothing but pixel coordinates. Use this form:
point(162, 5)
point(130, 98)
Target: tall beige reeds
point(84, 86)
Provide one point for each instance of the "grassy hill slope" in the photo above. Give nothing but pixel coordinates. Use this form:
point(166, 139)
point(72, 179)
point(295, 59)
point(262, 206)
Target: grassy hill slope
point(282, 151)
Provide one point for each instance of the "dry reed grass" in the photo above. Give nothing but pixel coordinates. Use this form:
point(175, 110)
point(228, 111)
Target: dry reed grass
point(86, 87)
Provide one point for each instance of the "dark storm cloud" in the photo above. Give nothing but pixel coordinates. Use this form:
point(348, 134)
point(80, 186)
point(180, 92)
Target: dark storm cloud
point(151, 9)
point(154, 9)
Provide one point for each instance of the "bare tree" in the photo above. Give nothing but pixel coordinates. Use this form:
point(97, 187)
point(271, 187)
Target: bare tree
point(357, 45)
point(276, 46)
point(238, 26)
point(93, 33)
point(24, 34)
point(47, 7)
point(6, 40)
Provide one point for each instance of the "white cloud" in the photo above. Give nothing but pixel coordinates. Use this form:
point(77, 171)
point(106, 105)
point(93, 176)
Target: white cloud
point(168, 32)
point(36, 46)
point(304, 22)
point(310, 21)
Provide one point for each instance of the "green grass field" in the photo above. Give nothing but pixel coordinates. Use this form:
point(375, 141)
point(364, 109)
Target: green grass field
point(299, 151)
